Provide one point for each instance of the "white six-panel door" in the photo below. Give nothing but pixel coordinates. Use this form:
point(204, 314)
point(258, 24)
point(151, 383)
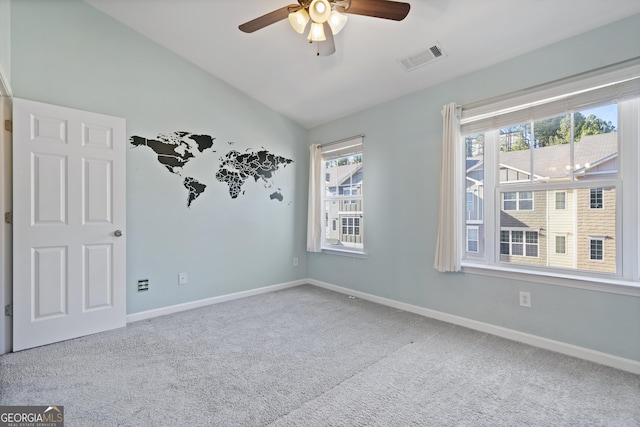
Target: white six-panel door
point(69, 223)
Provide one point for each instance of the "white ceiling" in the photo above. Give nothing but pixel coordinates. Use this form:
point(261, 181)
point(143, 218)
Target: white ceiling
point(278, 67)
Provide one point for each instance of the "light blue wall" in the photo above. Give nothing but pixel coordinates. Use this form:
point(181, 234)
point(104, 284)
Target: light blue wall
point(66, 52)
point(402, 164)
point(5, 40)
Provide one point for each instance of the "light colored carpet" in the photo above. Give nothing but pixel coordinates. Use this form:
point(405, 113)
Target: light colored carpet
point(310, 357)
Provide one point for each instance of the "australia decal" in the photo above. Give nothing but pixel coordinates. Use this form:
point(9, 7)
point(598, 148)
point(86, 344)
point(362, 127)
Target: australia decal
point(176, 149)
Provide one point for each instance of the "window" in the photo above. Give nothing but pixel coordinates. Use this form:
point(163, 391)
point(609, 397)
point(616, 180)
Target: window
point(595, 198)
point(596, 249)
point(531, 243)
point(561, 200)
point(518, 201)
point(475, 174)
point(342, 191)
point(519, 243)
point(553, 178)
point(471, 206)
point(351, 226)
point(472, 239)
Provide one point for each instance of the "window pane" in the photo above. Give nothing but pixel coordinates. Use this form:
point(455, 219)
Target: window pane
point(532, 237)
point(472, 234)
point(525, 202)
point(474, 193)
point(596, 249)
point(596, 146)
point(552, 149)
point(550, 237)
point(532, 250)
point(595, 198)
point(516, 249)
point(516, 236)
point(349, 234)
point(510, 201)
point(561, 199)
point(515, 156)
point(472, 239)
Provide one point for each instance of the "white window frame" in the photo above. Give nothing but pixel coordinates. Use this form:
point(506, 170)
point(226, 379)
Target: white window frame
point(600, 191)
point(596, 239)
point(624, 82)
point(518, 201)
point(350, 227)
point(334, 151)
point(524, 242)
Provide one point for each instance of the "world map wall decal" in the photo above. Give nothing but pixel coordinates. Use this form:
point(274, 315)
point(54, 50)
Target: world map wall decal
point(175, 150)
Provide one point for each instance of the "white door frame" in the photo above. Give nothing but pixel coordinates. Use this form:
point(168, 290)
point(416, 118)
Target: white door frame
point(6, 241)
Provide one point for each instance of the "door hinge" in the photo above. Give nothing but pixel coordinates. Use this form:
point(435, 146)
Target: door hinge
point(8, 310)
point(8, 125)
point(8, 217)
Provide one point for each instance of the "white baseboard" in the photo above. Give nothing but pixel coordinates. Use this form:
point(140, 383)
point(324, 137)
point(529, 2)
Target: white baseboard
point(143, 315)
point(606, 359)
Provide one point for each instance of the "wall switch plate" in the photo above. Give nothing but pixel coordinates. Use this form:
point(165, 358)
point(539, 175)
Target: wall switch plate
point(183, 278)
point(295, 262)
point(525, 299)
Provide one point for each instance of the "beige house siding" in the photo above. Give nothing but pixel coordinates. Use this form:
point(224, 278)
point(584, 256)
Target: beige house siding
point(596, 223)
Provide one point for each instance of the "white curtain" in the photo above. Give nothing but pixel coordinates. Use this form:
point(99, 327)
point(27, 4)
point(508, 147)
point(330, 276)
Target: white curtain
point(450, 202)
point(314, 216)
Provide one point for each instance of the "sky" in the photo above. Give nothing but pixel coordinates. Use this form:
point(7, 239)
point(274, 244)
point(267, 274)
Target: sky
point(607, 113)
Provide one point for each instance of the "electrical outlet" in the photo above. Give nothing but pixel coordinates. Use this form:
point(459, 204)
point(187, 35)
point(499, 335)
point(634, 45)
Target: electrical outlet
point(295, 261)
point(143, 285)
point(183, 279)
point(525, 299)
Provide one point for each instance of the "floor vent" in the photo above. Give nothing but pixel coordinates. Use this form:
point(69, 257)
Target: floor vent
point(424, 57)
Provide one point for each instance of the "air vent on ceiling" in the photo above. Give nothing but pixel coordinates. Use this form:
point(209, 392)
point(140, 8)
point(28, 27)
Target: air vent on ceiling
point(424, 57)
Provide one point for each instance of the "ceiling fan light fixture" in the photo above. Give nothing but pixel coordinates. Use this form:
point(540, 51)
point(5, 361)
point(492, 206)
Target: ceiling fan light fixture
point(316, 34)
point(320, 10)
point(337, 21)
point(299, 20)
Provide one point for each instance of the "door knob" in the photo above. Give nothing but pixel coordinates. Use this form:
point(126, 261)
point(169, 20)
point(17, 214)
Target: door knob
point(117, 233)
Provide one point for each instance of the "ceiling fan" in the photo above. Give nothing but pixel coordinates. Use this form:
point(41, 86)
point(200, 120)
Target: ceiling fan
point(326, 17)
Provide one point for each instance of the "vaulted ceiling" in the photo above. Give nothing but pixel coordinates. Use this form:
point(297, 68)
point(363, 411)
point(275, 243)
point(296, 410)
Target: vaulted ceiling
point(279, 68)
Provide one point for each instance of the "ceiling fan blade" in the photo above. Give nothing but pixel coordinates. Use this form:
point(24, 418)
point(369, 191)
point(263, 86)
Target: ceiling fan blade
point(328, 46)
point(268, 19)
point(386, 9)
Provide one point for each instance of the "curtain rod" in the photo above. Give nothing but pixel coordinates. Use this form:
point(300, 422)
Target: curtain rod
point(567, 79)
point(341, 140)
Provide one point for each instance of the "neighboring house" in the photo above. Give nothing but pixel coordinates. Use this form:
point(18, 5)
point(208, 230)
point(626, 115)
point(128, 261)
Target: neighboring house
point(343, 220)
point(564, 227)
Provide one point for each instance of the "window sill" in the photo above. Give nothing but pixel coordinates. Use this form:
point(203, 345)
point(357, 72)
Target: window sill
point(613, 285)
point(352, 254)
